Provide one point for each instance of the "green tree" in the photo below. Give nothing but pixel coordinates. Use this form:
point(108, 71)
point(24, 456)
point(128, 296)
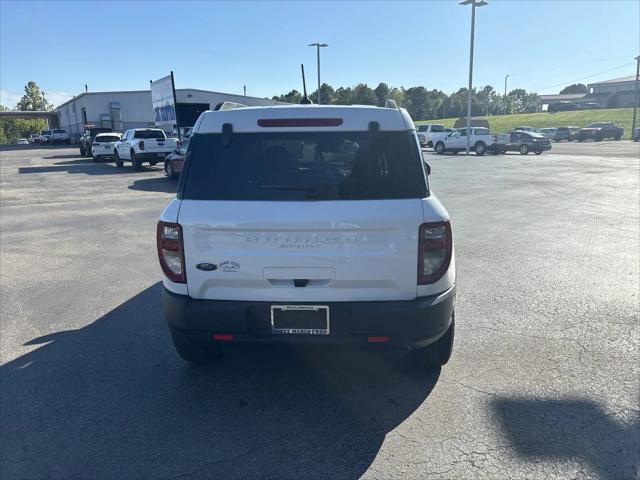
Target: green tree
point(33, 99)
point(327, 95)
point(398, 94)
point(344, 96)
point(363, 95)
point(4, 109)
point(382, 93)
point(417, 102)
point(575, 88)
point(12, 129)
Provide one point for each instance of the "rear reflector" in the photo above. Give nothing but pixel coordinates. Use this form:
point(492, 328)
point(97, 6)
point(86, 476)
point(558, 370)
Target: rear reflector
point(223, 337)
point(299, 122)
point(377, 339)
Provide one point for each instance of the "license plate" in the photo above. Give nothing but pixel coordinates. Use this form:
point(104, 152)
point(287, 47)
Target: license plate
point(161, 144)
point(300, 319)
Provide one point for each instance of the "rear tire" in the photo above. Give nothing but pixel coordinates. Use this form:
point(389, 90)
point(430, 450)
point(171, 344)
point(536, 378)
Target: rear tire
point(480, 148)
point(137, 164)
point(439, 148)
point(437, 354)
point(524, 149)
point(618, 137)
point(119, 162)
point(196, 351)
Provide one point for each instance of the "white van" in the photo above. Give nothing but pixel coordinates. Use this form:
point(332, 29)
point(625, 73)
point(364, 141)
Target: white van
point(307, 224)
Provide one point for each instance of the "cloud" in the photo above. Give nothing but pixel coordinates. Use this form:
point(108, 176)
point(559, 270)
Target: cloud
point(10, 99)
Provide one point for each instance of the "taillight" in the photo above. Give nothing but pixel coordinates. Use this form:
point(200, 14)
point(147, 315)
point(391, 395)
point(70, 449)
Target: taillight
point(435, 245)
point(141, 145)
point(171, 251)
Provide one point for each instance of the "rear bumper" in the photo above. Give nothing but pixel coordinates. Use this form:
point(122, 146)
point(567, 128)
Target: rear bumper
point(412, 323)
point(151, 156)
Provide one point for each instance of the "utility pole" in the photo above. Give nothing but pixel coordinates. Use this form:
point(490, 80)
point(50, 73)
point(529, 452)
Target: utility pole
point(245, 90)
point(318, 47)
point(474, 4)
point(505, 93)
point(636, 98)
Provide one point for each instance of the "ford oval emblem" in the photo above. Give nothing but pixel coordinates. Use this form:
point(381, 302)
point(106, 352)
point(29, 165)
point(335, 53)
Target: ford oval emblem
point(206, 267)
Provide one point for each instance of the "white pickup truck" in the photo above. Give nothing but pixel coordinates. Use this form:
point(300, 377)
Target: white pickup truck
point(143, 145)
point(481, 141)
point(433, 132)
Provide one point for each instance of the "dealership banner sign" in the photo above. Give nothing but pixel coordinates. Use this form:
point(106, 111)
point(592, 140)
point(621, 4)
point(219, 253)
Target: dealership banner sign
point(164, 101)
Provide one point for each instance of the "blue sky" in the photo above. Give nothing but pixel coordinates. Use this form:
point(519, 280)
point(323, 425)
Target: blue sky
point(542, 45)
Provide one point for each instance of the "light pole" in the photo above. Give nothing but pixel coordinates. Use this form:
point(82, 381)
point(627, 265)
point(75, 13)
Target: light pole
point(636, 99)
point(505, 93)
point(318, 47)
point(474, 4)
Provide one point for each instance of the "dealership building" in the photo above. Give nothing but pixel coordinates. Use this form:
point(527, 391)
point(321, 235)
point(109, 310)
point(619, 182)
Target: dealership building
point(121, 111)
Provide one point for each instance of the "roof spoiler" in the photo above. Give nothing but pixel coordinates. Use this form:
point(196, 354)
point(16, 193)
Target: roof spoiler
point(228, 106)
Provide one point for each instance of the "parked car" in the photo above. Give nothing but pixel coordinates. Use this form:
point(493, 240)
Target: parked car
point(566, 133)
point(324, 233)
point(549, 133)
point(59, 135)
point(589, 106)
point(599, 131)
point(140, 145)
point(525, 142)
point(174, 161)
point(636, 135)
point(87, 137)
point(433, 132)
point(525, 129)
point(34, 138)
point(481, 141)
point(422, 139)
point(103, 145)
point(45, 136)
point(562, 107)
point(23, 141)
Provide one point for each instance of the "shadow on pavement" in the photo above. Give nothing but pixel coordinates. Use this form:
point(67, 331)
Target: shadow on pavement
point(155, 184)
point(571, 429)
point(113, 400)
point(88, 168)
point(72, 155)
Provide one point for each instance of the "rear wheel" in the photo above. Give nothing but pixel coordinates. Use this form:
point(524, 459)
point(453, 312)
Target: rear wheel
point(196, 351)
point(524, 149)
point(618, 137)
point(135, 162)
point(480, 148)
point(119, 162)
point(81, 152)
point(437, 354)
point(440, 148)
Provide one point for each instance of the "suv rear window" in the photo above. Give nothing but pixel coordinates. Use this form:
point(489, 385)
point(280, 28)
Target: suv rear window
point(107, 138)
point(437, 129)
point(299, 166)
point(149, 134)
point(95, 131)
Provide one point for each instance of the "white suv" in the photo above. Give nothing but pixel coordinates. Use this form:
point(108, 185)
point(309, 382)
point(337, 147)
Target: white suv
point(307, 223)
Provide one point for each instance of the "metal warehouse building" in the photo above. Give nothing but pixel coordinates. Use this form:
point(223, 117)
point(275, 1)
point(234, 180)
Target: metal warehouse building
point(133, 109)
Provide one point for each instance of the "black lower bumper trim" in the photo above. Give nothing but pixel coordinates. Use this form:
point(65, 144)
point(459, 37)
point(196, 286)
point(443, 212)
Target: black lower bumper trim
point(412, 322)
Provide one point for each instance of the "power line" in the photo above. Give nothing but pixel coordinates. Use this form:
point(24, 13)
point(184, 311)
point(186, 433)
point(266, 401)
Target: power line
point(568, 82)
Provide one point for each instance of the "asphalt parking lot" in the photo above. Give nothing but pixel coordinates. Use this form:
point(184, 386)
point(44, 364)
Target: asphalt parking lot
point(544, 381)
